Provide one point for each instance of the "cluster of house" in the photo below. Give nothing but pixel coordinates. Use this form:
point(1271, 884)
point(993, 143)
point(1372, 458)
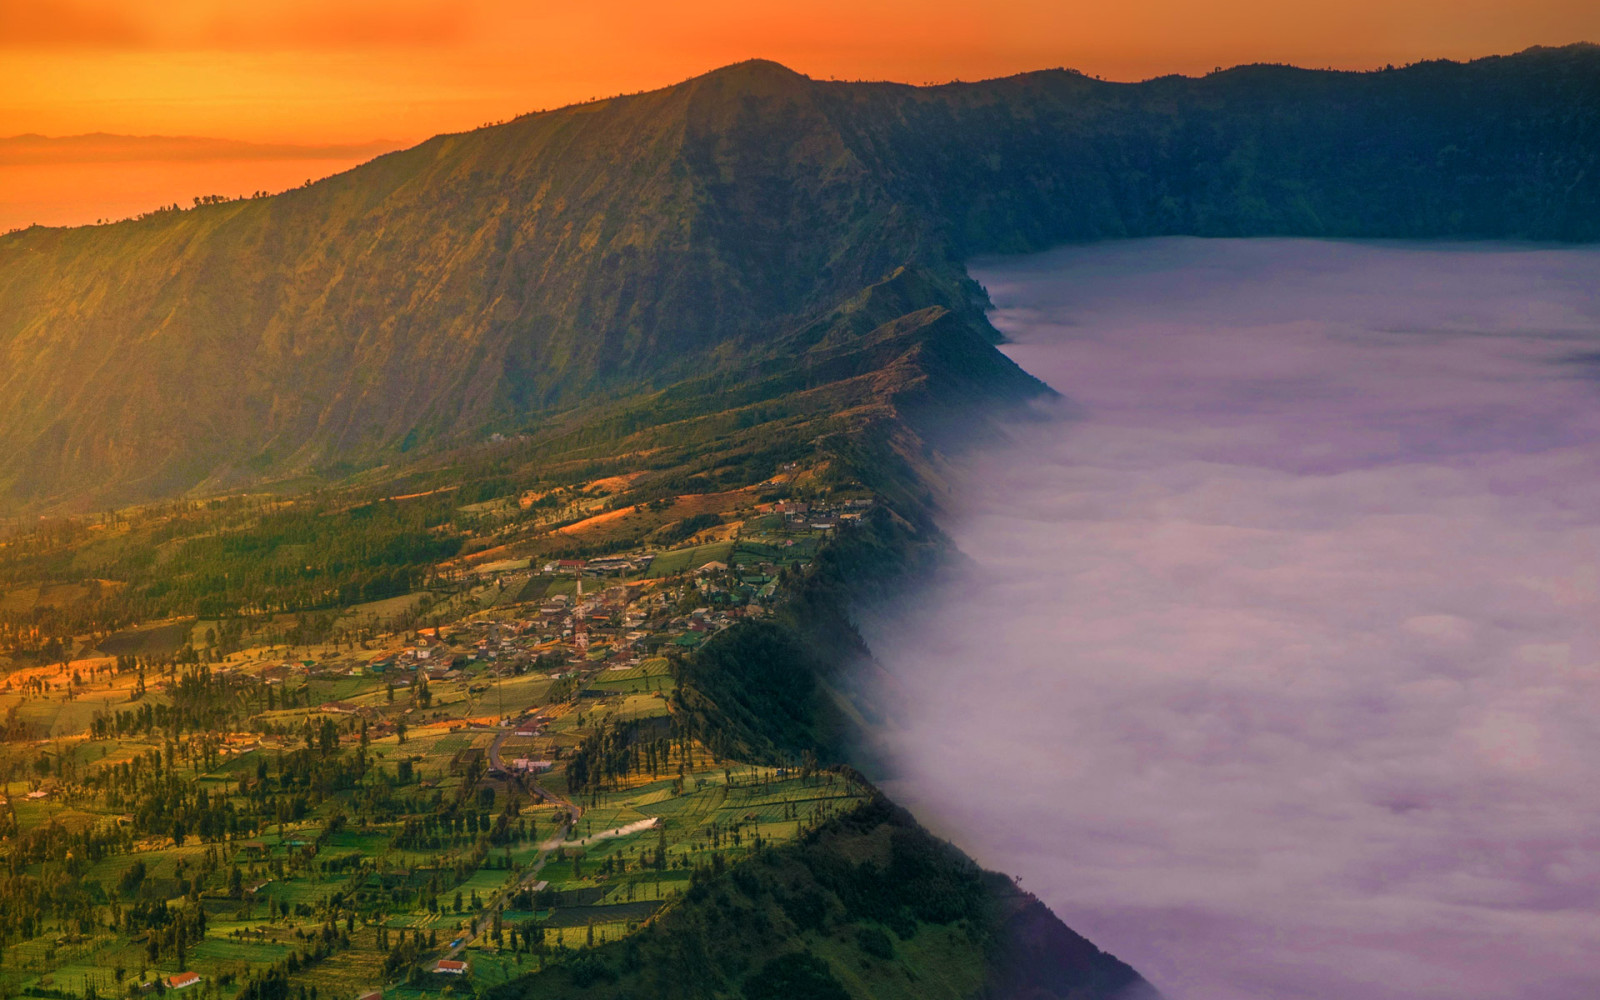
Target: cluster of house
point(429, 655)
point(492, 641)
point(612, 625)
point(615, 627)
point(821, 516)
point(624, 626)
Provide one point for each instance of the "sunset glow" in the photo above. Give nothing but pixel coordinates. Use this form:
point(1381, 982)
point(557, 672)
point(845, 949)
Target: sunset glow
point(296, 71)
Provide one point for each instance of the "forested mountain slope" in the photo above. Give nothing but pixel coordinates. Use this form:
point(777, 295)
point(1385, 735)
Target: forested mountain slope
point(515, 278)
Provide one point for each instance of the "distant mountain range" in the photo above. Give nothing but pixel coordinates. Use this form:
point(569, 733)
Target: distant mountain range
point(104, 147)
point(539, 275)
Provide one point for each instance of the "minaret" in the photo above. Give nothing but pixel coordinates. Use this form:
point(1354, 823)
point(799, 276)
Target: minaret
point(580, 632)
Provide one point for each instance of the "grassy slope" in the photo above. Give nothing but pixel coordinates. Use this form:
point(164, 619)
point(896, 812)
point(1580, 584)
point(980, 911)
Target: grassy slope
point(887, 910)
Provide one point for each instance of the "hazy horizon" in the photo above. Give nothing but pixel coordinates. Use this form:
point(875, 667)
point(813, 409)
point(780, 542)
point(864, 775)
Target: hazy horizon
point(288, 73)
point(1278, 646)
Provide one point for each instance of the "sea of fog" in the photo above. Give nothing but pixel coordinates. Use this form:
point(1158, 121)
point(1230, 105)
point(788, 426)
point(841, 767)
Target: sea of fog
point(1275, 669)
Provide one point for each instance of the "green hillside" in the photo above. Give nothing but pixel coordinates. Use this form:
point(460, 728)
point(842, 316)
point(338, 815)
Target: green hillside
point(529, 278)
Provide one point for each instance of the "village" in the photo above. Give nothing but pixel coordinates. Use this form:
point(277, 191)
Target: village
point(574, 621)
point(517, 788)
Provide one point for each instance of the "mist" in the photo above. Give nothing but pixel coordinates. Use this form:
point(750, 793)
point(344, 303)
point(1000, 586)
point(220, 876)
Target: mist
point(1274, 667)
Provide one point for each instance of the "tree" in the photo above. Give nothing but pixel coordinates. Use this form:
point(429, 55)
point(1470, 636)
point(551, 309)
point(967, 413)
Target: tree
point(796, 976)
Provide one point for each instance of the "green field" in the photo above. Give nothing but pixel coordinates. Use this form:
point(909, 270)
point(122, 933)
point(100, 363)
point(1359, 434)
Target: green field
point(236, 826)
point(681, 560)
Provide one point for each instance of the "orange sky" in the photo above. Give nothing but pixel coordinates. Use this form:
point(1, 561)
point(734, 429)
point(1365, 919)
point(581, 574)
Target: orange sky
point(335, 71)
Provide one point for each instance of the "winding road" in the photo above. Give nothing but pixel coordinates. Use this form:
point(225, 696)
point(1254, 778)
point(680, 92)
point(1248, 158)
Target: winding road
point(571, 812)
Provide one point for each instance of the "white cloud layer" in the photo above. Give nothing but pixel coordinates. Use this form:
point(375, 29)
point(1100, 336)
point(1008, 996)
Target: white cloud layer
point(1276, 670)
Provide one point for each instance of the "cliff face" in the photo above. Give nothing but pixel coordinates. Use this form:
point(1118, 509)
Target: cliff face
point(1037, 957)
point(498, 279)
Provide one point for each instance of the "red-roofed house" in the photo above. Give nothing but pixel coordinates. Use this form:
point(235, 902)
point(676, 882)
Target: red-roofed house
point(183, 980)
point(451, 967)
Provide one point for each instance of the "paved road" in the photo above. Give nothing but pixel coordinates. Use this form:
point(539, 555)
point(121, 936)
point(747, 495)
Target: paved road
point(526, 781)
point(570, 814)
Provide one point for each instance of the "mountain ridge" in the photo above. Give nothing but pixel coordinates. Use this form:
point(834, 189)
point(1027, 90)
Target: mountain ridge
point(489, 280)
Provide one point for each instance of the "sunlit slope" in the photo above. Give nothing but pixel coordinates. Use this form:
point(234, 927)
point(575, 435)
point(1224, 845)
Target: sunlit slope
point(491, 281)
